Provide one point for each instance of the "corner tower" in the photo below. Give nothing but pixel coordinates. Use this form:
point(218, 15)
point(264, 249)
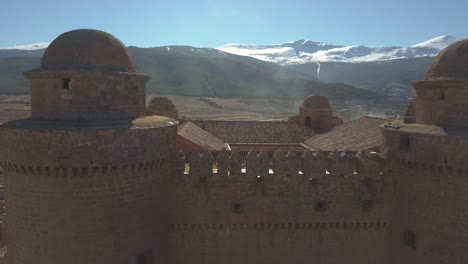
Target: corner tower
point(317, 113)
point(442, 97)
point(85, 175)
point(163, 106)
point(428, 162)
point(87, 75)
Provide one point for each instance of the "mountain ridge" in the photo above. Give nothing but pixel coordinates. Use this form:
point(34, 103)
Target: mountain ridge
point(200, 72)
point(306, 51)
point(265, 70)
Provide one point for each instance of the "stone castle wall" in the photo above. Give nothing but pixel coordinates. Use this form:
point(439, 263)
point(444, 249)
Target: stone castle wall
point(430, 211)
point(289, 209)
point(442, 102)
point(88, 96)
point(92, 196)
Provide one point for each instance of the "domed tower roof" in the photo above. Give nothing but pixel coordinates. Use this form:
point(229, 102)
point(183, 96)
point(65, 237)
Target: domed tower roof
point(88, 49)
point(452, 62)
point(316, 102)
point(161, 103)
point(87, 75)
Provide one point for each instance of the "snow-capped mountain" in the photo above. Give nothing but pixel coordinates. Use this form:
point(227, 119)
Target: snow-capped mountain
point(34, 46)
point(306, 51)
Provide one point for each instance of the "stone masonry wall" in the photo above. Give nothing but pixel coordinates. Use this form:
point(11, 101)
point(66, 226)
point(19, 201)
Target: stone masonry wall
point(442, 102)
point(430, 209)
point(86, 196)
point(334, 209)
point(89, 96)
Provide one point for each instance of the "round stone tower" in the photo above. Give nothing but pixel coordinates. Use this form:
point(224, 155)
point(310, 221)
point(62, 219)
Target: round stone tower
point(427, 159)
point(317, 113)
point(163, 106)
point(85, 175)
point(442, 97)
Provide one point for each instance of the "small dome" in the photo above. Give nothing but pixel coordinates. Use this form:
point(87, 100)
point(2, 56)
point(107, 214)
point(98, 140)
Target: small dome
point(316, 102)
point(452, 62)
point(161, 103)
point(88, 49)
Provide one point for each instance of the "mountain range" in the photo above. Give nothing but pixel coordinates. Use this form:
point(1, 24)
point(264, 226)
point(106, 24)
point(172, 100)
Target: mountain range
point(203, 72)
point(306, 51)
point(289, 70)
point(388, 70)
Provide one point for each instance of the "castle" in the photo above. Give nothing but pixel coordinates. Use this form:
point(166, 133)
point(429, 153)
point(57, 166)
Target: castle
point(94, 177)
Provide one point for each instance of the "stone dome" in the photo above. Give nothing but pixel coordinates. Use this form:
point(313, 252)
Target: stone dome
point(316, 102)
point(452, 62)
point(161, 103)
point(88, 49)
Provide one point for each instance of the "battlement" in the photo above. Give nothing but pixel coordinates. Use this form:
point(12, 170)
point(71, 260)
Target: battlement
point(311, 164)
point(360, 174)
point(262, 199)
point(83, 171)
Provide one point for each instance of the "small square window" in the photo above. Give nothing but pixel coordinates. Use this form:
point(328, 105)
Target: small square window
point(409, 238)
point(405, 142)
point(236, 208)
point(320, 205)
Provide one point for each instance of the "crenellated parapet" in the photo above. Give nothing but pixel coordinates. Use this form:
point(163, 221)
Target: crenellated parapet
point(311, 172)
point(64, 172)
point(309, 164)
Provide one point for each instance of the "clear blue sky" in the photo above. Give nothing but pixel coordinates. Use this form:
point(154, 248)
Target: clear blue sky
point(213, 23)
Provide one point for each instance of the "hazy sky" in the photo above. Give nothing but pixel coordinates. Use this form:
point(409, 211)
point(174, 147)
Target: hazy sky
point(213, 23)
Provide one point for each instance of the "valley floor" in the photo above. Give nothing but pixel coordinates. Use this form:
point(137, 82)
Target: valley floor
point(19, 106)
point(275, 109)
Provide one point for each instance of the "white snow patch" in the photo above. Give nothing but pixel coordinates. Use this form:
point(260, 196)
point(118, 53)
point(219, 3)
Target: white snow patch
point(306, 51)
point(34, 46)
point(438, 43)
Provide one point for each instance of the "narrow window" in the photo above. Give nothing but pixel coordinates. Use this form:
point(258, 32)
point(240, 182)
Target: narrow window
point(66, 84)
point(405, 142)
point(367, 205)
point(442, 94)
point(307, 121)
point(409, 238)
point(320, 206)
point(145, 257)
point(236, 208)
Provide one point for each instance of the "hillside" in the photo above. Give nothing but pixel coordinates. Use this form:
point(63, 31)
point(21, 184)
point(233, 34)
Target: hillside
point(388, 69)
point(184, 70)
point(392, 77)
point(11, 77)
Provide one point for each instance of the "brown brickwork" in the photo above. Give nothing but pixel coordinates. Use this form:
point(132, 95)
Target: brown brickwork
point(316, 113)
point(430, 194)
point(85, 177)
point(428, 163)
point(277, 220)
point(163, 106)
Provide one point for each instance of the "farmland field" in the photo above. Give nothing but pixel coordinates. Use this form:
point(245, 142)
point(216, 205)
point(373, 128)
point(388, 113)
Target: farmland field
point(19, 106)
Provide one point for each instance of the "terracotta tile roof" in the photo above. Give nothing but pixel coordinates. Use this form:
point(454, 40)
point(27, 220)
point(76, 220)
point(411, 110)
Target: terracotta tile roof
point(256, 131)
point(361, 133)
point(199, 137)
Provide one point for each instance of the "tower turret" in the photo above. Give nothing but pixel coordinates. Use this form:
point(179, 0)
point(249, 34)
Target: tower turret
point(442, 97)
point(85, 175)
point(317, 113)
point(428, 162)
